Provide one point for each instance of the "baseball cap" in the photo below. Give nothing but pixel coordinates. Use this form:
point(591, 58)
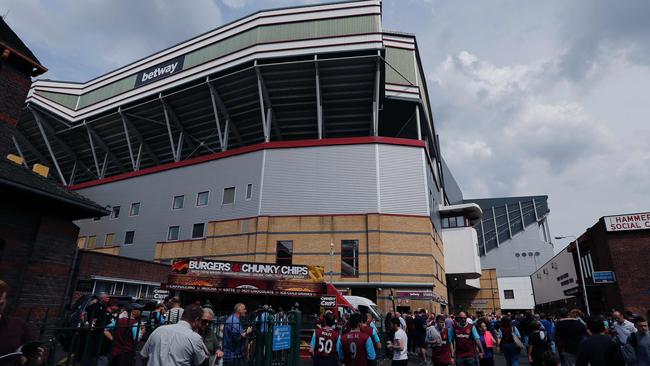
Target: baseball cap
point(135, 306)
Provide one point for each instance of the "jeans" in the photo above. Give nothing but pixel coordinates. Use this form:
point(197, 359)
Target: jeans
point(568, 359)
point(511, 353)
point(466, 361)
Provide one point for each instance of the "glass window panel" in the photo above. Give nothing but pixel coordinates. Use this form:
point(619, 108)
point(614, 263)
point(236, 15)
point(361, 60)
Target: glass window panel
point(445, 222)
point(92, 242)
point(228, 195)
point(129, 237)
point(197, 230)
point(509, 294)
point(284, 252)
point(135, 209)
point(109, 240)
point(131, 289)
point(172, 234)
point(116, 212)
point(202, 198)
point(249, 191)
point(81, 242)
point(103, 286)
point(350, 258)
point(178, 202)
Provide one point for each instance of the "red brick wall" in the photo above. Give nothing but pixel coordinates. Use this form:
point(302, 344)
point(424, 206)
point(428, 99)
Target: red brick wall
point(14, 85)
point(37, 259)
point(630, 253)
point(107, 265)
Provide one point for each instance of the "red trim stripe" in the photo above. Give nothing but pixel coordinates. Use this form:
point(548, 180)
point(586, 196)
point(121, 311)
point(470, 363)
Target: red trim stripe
point(252, 148)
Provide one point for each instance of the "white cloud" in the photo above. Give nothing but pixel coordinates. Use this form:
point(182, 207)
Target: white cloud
point(234, 4)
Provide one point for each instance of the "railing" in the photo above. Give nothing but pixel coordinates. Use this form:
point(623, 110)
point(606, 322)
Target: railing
point(87, 344)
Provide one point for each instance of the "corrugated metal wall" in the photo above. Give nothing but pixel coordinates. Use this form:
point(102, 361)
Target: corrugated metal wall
point(297, 181)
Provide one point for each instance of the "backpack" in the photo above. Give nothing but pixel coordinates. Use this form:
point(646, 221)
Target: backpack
point(629, 349)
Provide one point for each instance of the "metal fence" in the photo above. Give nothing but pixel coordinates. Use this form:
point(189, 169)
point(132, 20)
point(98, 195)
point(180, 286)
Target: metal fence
point(270, 339)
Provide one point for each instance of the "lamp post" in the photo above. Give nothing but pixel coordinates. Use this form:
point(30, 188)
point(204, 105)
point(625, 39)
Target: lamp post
point(331, 261)
point(582, 277)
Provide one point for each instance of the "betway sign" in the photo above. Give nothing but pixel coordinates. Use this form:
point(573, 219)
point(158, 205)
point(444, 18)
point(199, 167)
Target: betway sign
point(638, 221)
point(159, 71)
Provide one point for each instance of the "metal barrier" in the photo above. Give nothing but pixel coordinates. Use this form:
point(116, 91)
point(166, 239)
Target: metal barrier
point(87, 344)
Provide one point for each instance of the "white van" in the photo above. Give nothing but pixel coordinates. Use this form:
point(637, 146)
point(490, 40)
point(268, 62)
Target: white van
point(363, 305)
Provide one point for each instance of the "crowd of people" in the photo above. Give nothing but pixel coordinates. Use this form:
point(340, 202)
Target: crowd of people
point(567, 339)
point(119, 335)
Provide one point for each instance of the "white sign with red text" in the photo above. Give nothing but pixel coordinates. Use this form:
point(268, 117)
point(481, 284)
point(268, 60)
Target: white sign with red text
point(638, 221)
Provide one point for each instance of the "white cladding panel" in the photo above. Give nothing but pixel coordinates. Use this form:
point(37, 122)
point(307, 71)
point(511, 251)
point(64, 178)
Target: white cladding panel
point(461, 254)
point(155, 193)
point(320, 180)
point(290, 181)
point(523, 291)
point(555, 277)
point(402, 181)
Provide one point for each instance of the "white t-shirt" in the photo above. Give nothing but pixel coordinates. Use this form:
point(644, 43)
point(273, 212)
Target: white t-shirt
point(403, 354)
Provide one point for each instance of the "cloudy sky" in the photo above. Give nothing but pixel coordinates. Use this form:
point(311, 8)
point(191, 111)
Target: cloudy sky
point(529, 97)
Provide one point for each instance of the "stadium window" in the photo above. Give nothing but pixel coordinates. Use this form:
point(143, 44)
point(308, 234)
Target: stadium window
point(249, 191)
point(445, 222)
point(172, 233)
point(508, 294)
point(109, 239)
point(460, 221)
point(197, 230)
point(178, 201)
point(92, 241)
point(81, 242)
point(202, 198)
point(228, 196)
point(135, 209)
point(115, 214)
point(129, 237)
point(284, 252)
point(349, 258)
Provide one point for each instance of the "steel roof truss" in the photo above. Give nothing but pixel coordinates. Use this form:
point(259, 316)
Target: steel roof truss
point(73, 173)
point(28, 144)
point(42, 126)
point(49, 147)
point(128, 125)
point(104, 147)
point(20, 152)
point(171, 116)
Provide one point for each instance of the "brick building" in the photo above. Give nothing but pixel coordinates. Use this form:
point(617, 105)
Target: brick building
point(37, 233)
point(620, 244)
point(96, 272)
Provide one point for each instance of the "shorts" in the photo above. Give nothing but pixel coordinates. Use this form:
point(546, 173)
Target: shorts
point(326, 361)
point(419, 341)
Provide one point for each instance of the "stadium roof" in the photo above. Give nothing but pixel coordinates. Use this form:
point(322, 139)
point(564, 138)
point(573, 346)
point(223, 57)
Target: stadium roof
point(313, 72)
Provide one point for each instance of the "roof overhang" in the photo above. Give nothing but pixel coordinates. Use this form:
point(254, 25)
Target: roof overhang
point(470, 210)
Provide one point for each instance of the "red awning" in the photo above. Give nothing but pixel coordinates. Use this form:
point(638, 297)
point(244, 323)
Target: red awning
point(340, 300)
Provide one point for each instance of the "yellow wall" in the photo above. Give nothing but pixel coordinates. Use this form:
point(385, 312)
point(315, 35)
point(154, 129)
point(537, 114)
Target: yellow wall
point(485, 299)
point(391, 248)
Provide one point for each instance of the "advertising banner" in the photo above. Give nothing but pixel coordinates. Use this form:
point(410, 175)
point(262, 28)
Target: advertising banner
point(246, 278)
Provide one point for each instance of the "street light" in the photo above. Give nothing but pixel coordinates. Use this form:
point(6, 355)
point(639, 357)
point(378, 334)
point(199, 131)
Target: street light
point(331, 261)
point(582, 277)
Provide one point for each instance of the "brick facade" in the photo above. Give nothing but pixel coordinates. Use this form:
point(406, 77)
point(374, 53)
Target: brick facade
point(14, 85)
point(36, 260)
point(392, 249)
point(91, 263)
point(627, 254)
point(485, 299)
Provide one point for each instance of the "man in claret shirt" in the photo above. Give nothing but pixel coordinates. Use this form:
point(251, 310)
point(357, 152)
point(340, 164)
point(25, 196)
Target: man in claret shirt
point(355, 348)
point(323, 343)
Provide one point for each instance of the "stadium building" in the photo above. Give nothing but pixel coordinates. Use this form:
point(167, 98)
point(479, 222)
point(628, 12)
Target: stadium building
point(300, 135)
point(512, 238)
